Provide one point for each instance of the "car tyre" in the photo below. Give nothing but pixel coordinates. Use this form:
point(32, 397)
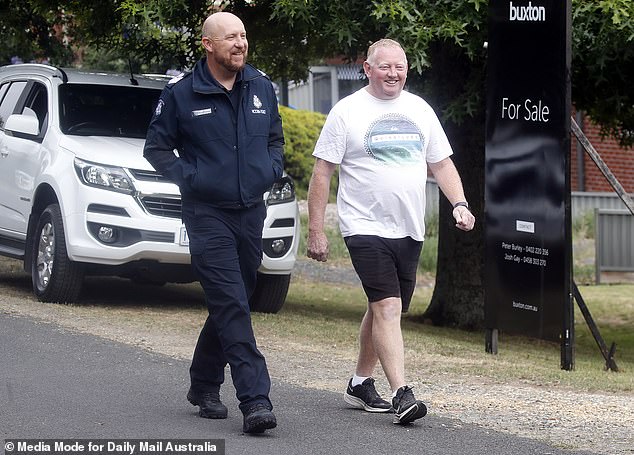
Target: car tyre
point(270, 293)
point(55, 277)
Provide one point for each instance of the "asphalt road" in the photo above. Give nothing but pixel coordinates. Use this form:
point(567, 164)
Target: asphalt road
point(55, 383)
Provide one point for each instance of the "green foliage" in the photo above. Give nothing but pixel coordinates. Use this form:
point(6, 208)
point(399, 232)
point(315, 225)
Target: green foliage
point(603, 64)
point(444, 41)
point(30, 30)
point(166, 33)
point(584, 274)
point(328, 28)
point(583, 226)
point(301, 130)
point(612, 309)
point(583, 253)
point(160, 32)
point(428, 260)
point(417, 24)
point(106, 60)
point(427, 29)
point(429, 256)
point(153, 35)
point(337, 249)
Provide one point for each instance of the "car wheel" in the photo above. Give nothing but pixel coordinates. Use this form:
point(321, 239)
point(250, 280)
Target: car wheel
point(270, 293)
point(55, 277)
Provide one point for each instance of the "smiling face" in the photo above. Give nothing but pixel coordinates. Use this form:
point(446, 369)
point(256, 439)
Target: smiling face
point(225, 41)
point(386, 69)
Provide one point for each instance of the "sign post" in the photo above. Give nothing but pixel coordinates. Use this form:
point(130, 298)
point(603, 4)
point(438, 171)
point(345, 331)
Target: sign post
point(528, 272)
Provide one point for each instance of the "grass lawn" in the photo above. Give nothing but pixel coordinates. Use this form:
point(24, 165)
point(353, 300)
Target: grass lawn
point(327, 316)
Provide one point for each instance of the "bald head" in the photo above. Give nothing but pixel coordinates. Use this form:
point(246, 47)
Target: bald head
point(216, 24)
point(225, 42)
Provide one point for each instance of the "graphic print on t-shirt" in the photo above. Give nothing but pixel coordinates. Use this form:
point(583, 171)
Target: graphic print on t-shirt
point(394, 139)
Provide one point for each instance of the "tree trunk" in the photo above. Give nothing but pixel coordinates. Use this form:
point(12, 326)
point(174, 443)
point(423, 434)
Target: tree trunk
point(458, 298)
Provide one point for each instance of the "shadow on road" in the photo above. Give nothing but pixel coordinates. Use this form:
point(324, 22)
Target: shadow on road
point(106, 291)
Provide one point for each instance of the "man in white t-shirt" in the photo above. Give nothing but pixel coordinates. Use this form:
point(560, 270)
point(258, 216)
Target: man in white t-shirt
point(383, 139)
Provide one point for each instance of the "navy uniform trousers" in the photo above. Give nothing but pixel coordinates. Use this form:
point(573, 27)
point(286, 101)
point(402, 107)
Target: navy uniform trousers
point(226, 251)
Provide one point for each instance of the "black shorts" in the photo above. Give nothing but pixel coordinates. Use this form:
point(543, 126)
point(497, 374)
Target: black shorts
point(386, 267)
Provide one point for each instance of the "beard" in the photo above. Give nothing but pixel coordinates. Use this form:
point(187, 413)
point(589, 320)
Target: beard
point(230, 65)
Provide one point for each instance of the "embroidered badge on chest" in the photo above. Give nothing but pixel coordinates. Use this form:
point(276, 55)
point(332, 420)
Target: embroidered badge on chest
point(257, 104)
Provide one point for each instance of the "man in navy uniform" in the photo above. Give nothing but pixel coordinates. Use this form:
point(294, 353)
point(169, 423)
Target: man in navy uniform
point(222, 119)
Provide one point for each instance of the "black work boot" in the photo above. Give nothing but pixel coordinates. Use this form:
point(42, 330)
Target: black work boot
point(258, 418)
point(210, 406)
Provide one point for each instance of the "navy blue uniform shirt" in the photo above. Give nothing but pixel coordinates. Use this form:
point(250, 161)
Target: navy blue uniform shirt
point(225, 158)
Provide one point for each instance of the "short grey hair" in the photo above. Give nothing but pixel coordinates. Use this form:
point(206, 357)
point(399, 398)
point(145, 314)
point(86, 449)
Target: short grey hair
point(382, 43)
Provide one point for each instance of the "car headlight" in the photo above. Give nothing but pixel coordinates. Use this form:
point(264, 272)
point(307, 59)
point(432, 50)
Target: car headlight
point(102, 176)
point(282, 191)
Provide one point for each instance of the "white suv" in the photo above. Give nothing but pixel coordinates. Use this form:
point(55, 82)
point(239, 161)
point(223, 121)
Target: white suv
point(77, 197)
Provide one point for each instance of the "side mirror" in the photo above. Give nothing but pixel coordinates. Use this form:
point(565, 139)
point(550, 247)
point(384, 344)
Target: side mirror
point(23, 124)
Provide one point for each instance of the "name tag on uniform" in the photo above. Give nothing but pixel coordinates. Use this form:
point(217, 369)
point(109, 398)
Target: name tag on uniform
point(200, 112)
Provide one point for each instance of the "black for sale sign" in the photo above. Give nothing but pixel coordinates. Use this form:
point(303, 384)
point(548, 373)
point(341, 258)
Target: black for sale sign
point(527, 191)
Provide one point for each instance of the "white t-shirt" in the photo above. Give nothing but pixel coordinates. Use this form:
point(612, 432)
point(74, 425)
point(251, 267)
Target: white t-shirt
point(382, 147)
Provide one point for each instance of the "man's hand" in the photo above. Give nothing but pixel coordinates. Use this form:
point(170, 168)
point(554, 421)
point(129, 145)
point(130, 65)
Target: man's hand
point(464, 218)
point(317, 246)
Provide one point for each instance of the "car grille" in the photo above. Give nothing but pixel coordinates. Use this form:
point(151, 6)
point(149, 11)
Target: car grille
point(151, 176)
point(169, 207)
point(166, 206)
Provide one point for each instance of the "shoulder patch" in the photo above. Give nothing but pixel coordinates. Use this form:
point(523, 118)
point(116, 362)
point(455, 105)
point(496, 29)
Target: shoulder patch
point(264, 74)
point(159, 107)
point(175, 79)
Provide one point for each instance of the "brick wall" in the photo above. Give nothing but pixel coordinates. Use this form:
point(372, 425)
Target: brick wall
point(619, 160)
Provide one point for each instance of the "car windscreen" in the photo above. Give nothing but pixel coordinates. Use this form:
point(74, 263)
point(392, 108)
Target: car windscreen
point(104, 110)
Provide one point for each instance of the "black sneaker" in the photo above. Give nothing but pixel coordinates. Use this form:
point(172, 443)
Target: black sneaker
point(258, 418)
point(210, 405)
point(406, 407)
point(365, 396)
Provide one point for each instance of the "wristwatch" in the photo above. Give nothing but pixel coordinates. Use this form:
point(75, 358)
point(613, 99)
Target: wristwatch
point(462, 204)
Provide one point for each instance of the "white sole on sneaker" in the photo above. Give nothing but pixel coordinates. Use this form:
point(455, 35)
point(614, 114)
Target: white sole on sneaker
point(360, 404)
point(415, 411)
